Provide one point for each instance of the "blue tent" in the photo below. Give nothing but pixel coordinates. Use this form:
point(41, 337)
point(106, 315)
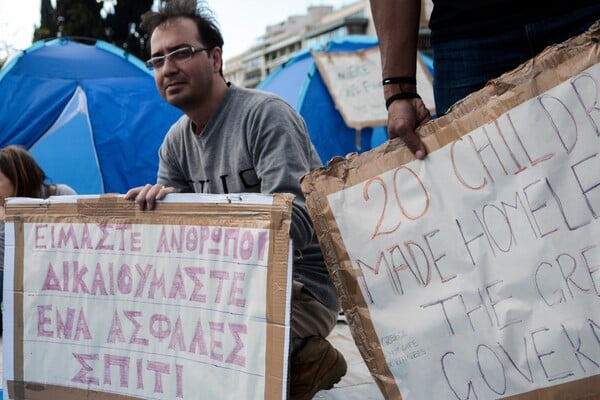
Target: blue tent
point(299, 82)
point(90, 114)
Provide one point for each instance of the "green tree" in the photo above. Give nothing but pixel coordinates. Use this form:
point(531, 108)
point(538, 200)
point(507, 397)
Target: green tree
point(48, 24)
point(123, 26)
point(80, 18)
point(117, 22)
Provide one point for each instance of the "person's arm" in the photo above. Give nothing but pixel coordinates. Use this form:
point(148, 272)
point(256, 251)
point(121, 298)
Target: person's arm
point(283, 153)
point(397, 27)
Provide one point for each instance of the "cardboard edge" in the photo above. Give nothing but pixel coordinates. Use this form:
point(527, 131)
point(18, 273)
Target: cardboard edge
point(349, 293)
point(41, 391)
point(277, 298)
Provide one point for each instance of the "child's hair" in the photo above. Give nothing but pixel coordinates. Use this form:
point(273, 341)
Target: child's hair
point(24, 172)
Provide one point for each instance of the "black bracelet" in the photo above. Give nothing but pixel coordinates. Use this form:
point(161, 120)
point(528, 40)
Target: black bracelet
point(400, 79)
point(400, 96)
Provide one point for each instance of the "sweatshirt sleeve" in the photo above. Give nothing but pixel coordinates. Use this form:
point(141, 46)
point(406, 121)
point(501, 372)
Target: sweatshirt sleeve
point(283, 153)
point(171, 154)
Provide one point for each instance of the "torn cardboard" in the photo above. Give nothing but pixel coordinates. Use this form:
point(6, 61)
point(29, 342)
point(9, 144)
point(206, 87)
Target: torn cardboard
point(445, 267)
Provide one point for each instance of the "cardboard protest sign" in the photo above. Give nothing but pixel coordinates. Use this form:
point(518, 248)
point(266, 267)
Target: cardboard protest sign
point(190, 300)
point(475, 274)
point(354, 82)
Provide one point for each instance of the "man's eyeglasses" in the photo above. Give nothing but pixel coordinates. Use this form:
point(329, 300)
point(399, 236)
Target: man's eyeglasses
point(178, 56)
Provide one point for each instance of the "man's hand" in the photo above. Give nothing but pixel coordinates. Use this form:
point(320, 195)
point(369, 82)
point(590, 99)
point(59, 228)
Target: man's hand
point(145, 196)
point(404, 116)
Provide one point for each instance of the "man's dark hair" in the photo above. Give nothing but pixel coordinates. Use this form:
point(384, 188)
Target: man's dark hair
point(209, 32)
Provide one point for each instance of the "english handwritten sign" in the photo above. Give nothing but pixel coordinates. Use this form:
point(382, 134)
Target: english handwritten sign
point(475, 274)
point(176, 303)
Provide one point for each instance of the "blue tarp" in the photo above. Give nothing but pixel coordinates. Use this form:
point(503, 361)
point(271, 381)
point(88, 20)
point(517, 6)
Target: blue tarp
point(298, 81)
point(89, 113)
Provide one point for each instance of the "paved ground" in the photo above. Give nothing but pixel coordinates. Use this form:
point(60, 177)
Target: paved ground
point(356, 385)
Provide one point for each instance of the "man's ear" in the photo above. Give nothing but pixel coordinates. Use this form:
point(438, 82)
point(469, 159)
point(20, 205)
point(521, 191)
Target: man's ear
point(217, 56)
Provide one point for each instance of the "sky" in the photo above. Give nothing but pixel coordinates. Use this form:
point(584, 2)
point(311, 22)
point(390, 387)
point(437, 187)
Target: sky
point(241, 21)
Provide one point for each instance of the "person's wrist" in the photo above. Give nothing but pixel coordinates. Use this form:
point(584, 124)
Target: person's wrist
point(395, 84)
point(390, 90)
point(395, 80)
point(400, 96)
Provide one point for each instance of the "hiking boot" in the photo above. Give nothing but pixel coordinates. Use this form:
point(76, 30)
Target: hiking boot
point(317, 366)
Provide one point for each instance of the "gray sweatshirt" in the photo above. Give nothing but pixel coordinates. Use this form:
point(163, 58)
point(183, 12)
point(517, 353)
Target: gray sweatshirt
point(254, 143)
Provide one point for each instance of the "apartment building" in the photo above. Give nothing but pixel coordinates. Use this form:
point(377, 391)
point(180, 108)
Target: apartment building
point(319, 25)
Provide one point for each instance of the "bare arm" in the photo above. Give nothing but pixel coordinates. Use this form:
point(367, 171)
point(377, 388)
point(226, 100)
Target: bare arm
point(397, 26)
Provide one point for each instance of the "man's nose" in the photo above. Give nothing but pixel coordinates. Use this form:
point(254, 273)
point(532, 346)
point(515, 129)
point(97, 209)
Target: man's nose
point(169, 65)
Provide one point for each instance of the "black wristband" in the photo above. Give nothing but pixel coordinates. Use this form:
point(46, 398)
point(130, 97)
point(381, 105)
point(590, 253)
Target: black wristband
point(400, 96)
point(400, 79)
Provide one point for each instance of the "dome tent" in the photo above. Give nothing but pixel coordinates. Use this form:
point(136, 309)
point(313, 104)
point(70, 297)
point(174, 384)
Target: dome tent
point(88, 111)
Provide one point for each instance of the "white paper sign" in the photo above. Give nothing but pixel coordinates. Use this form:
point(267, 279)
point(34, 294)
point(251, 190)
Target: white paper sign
point(481, 265)
point(161, 303)
point(354, 82)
